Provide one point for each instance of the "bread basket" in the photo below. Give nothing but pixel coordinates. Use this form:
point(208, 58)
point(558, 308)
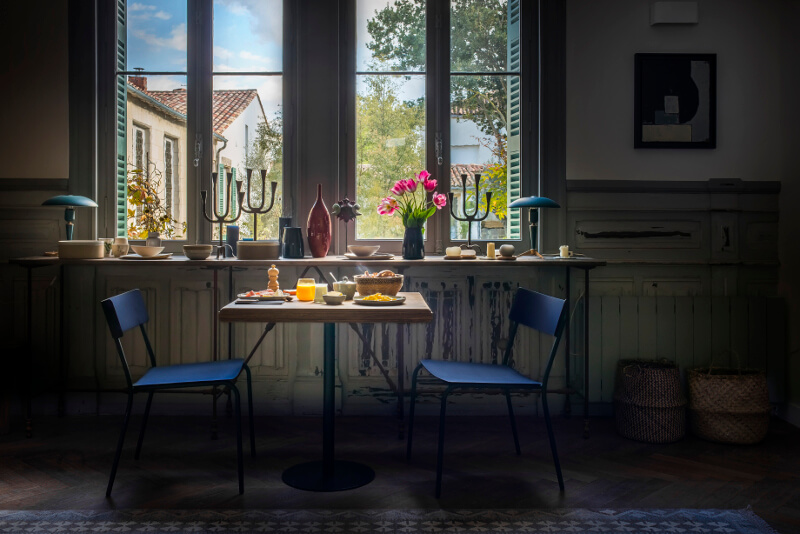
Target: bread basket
point(385, 285)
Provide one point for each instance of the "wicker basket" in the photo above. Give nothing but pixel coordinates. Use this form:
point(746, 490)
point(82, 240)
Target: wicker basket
point(386, 285)
point(729, 405)
point(649, 404)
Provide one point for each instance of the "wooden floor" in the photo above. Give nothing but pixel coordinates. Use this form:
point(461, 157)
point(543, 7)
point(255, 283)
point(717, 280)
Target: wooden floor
point(66, 465)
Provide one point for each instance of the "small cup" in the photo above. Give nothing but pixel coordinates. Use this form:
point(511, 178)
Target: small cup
point(108, 242)
point(319, 291)
point(120, 240)
point(118, 250)
point(348, 289)
point(565, 252)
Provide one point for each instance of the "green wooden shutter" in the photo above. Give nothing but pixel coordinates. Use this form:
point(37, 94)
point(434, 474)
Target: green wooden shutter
point(514, 176)
point(234, 200)
point(122, 145)
point(221, 189)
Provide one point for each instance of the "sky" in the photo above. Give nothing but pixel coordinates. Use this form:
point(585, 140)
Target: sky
point(248, 37)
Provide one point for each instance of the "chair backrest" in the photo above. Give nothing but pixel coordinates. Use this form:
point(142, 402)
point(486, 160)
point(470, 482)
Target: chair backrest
point(541, 312)
point(124, 312)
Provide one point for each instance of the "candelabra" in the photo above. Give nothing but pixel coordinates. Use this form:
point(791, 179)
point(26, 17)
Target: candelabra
point(470, 218)
point(258, 210)
point(222, 218)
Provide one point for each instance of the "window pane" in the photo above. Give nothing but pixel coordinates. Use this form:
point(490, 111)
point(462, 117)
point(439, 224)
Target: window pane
point(478, 35)
point(390, 145)
point(248, 116)
point(156, 33)
point(248, 36)
point(479, 146)
point(390, 35)
point(153, 148)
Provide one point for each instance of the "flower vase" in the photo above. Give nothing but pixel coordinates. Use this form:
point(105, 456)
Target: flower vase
point(153, 239)
point(319, 227)
point(413, 244)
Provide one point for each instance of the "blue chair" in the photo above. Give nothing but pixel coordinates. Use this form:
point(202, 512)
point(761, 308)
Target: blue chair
point(127, 311)
point(534, 310)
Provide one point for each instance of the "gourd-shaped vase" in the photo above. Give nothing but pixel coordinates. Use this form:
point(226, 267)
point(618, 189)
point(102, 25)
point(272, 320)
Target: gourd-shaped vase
point(319, 227)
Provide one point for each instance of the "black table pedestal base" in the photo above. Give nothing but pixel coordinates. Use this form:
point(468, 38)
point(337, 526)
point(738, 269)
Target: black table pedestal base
point(346, 475)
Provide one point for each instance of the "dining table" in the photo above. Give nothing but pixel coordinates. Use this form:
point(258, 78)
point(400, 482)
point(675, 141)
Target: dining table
point(327, 474)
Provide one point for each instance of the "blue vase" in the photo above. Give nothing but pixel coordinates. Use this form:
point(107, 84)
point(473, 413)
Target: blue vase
point(413, 244)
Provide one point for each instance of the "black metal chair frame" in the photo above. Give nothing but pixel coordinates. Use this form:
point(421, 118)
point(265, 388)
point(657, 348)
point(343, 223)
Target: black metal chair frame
point(117, 332)
point(541, 386)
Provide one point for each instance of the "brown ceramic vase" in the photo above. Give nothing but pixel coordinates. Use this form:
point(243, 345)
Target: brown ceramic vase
point(319, 227)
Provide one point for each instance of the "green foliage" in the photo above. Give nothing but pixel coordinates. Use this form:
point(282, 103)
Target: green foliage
point(146, 213)
point(389, 146)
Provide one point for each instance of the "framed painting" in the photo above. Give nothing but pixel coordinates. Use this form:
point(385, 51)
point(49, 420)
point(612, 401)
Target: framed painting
point(675, 101)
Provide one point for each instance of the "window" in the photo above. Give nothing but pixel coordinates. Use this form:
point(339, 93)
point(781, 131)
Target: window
point(438, 85)
point(159, 72)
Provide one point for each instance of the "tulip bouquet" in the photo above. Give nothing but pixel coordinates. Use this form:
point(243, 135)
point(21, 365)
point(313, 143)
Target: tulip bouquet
point(413, 208)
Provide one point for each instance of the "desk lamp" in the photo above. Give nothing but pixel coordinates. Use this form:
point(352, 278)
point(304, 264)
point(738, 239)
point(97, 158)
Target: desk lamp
point(70, 201)
point(533, 216)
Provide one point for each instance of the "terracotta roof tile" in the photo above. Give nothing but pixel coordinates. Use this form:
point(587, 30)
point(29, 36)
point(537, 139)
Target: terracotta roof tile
point(228, 104)
point(469, 169)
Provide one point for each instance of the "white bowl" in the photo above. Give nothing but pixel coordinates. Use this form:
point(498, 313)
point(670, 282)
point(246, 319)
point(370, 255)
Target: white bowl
point(146, 252)
point(363, 250)
point(197, 252)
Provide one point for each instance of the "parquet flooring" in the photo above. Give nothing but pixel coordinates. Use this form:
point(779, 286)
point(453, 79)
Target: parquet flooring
point(66, 465)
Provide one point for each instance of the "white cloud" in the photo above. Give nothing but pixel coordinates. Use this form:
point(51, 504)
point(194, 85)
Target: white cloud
point(165, 83)
point(244, 54)
point(176, 40)
point(140, 7)
point(265, 17)
point(222, 53)
point(163, 15)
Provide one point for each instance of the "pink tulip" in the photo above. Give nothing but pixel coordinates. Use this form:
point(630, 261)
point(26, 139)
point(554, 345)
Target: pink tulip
point(439, 201)
point(410, 185)
point(422, 176)
point(387, 206)
point(398, 188)
point(429, 185)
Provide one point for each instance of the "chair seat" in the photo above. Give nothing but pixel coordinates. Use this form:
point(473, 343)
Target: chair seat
point(191, 373)
point(477, 373)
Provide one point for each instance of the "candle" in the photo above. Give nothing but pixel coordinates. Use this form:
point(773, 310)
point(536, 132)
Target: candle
point(490, 253)
point(453, 251)
point(563, 251)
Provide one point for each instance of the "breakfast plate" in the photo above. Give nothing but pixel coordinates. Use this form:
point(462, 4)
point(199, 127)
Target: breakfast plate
point(396, 301)
point(254, 295)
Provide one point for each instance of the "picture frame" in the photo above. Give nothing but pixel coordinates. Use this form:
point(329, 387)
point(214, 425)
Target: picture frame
point(675, 101)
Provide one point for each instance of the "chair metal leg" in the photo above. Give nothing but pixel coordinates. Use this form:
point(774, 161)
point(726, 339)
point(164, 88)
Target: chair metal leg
point(239, 461)
point(411, 410)
point(144, 425)
point(552, 440)
point(250, 411)
point(513, 422)
point(440, 456)
point(119, 444)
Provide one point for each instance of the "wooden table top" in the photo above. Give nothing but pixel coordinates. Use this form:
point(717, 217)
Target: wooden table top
point(413, 310)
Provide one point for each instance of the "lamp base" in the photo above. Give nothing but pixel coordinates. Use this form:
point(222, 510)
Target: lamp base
point(531, 252)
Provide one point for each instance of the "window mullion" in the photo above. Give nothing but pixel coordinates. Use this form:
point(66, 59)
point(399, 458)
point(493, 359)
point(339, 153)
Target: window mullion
point(438, 115)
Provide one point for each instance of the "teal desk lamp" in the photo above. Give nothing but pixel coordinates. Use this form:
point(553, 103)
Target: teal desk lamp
point(533, 203)
point(70, 201)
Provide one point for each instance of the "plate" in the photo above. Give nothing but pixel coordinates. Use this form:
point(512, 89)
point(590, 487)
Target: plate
point(264, 297)
point(164, 256)
point(376, 256)
point(451, 258)
point(396, 301)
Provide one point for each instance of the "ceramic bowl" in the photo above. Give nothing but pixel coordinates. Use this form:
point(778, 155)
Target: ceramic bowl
point(258, 250)
point(363, 250)
point(385, 285)
point(146, 252)
point(333, 299)
point(197, 252)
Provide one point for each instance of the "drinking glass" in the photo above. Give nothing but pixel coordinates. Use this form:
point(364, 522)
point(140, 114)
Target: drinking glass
point(305, 289)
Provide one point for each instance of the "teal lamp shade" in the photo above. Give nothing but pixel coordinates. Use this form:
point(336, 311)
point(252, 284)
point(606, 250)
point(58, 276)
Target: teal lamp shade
point(70, 202)
point(533, 214)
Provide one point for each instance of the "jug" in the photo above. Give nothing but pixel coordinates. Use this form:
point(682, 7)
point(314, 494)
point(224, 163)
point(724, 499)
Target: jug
point(293, 243)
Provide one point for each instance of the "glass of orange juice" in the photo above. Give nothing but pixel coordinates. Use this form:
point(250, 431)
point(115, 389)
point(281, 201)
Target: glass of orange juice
point(305, 289)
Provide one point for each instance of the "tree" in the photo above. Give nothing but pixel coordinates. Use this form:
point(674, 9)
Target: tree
point(389, 146)
point(478, 43)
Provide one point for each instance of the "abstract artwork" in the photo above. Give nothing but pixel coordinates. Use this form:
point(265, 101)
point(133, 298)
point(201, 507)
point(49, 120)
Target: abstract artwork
point(675, 101)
